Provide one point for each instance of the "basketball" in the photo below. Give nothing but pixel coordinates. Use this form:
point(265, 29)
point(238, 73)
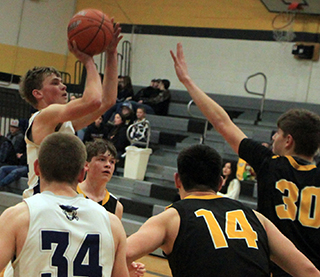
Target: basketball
point(92, 30)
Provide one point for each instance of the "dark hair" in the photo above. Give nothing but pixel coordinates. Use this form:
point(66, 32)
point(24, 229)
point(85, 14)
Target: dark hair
point(141, 108)
point(99, 146)
point(199, 168)
point(33, 79)
point(166, 83)
point(304, 127)
point(233, 174)
point(127, 82)
point(123, 117)
point(61, 158)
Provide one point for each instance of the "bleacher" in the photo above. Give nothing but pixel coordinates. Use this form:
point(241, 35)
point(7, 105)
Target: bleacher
point(170, 134)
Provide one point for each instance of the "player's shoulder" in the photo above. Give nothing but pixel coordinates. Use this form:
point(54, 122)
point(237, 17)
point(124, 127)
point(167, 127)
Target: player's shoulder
point(15, 214)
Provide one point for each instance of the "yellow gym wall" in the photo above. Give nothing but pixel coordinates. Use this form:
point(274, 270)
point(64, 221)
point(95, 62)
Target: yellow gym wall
point(18, 59)
point(230, 14)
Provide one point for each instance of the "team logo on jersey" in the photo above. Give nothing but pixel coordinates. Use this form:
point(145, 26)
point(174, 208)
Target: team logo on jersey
point(70, 212)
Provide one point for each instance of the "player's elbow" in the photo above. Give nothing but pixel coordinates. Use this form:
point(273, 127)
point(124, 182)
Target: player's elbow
point(94, 104)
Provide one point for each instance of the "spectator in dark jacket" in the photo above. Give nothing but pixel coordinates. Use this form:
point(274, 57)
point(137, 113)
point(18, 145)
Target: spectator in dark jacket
point(16, 136)
point(95, 130)
point(117, 134)
point(125, 89)
point(7, 153)
point(158, 98)
point(11, 173)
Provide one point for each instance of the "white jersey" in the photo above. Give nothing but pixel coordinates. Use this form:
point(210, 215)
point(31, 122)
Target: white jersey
point(68, 236)
point(33, 151)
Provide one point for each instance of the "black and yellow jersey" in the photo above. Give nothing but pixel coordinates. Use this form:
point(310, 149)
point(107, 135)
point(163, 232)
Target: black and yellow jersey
point(218, 236)
point(109, 202)
point(289, 195)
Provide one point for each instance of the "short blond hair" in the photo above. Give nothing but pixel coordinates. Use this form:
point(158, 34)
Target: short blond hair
point(33, 79)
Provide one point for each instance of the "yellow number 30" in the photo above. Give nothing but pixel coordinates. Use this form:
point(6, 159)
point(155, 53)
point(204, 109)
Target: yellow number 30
point(309, 207)
point(237, 227)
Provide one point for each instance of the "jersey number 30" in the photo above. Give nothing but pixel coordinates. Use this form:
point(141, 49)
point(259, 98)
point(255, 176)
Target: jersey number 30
point(308, 210)
point(90, 245)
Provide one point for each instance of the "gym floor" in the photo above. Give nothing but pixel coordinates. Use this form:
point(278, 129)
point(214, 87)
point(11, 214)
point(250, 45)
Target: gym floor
point(156, 266)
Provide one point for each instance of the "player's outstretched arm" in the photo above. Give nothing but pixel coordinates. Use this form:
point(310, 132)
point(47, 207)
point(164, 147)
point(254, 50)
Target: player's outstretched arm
point(110, 81)
point(158, 231)
point(110, 78)
point(93, 87)
point(217, 116)
point(285, 254)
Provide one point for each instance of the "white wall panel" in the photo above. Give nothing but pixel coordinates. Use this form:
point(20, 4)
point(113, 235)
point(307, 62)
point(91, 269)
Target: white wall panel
point(222, 66)
point(43, 23)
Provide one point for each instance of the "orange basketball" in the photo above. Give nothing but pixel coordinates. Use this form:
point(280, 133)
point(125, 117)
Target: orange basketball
point(92, 31)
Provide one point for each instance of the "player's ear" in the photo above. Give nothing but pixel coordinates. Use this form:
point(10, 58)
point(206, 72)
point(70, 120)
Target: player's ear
point(220, 184)
point(86, 166)
point(36, 167)
point(37, 94)
point(289, 141)
point(81, 175)
point(177, 180)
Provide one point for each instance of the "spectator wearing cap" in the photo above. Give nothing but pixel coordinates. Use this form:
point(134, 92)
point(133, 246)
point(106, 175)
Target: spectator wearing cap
point(125, 108)
point(16, 136)
point(127, 113)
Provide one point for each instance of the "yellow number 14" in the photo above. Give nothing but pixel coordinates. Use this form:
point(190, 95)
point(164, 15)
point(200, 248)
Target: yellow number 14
point(237, 227)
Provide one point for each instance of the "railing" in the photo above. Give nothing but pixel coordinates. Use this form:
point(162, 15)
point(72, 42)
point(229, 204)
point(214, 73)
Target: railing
point(139, 133)
point(126, 58)
point(263, 94)
point(204, 134)
point(7, 84)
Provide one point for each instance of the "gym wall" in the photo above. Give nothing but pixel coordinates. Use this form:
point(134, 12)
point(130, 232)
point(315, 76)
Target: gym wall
point(224, 42)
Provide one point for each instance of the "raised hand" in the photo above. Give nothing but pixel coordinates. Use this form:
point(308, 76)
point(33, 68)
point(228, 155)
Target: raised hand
point(115, 38)
point(180, 63)
point(81, 56)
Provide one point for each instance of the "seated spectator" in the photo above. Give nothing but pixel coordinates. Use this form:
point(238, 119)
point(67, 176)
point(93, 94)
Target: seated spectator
point(11, 173)
point(158, 98)
point(139, 129)
point(95, 130)
point(231, 185)
point(245, 171)
point(125, 89)
point(125, 93)
point(128, 113)
point(8, 155)
point(117, 134)
point(16, 136)
point(126, 109)
point(155, 83)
